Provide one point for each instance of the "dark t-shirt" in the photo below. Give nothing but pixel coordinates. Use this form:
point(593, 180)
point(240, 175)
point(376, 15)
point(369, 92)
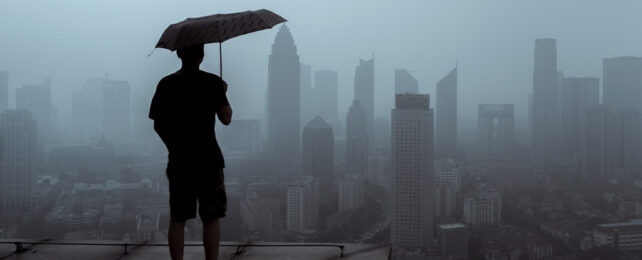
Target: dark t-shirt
point(184, 111)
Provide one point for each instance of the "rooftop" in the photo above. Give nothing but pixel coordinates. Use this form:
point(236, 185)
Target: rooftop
point(56, 249)
point(633, 222)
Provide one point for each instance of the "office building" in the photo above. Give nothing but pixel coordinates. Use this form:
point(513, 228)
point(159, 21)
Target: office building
point(326, 87)
point(611, 145)
point(577, 95)
point(318, 154)
point(621, 235)
point(622, 82)
point(483, 207)
point(453, 240)
point(4, 91)
point(357, 139)
point(412, 167)
point(101, 108)
point(495, 131)
point(283, 101)
point(351, 195)
point(18, 137)
point(545, 118)
point(303, 204)
point(37, 100)
point(364, 91)
point(405, 83)
point(446, 131)
point(260, 214)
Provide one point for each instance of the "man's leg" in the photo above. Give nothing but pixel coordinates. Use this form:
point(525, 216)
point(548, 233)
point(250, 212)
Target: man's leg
point(176, 239)
point(211, 239)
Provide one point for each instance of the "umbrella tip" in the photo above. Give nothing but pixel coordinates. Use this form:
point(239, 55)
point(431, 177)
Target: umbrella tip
point(150, 54)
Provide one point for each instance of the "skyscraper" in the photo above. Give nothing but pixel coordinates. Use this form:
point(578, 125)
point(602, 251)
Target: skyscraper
point(364, 91)
point(446, 132)
point(545, 120)
point(283, 100)
point(116, 114)
point(357, 139)
point(318, 154)
point(405, 82)
point(18, 136)
point(309, 101)
point(351, 192)
point(4, 91)
point(303, 204)
point(37, 99)
point(412, 166)
point(593, 149)
point(577, 95)
point(326, 86)
point(623, 82)
point(611, 144)
point(101, 108)
point(495, 131)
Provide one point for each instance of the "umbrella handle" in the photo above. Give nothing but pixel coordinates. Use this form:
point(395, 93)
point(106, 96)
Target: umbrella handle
point(220, 57)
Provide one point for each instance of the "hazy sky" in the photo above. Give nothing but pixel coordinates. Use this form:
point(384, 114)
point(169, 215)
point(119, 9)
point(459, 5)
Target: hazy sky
point(492, 41)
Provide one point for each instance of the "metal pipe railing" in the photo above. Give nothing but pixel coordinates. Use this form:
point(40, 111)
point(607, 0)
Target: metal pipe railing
point(20, 245)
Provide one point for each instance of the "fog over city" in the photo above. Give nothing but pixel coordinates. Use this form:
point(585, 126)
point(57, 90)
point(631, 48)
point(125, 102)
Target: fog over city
point(465, 129)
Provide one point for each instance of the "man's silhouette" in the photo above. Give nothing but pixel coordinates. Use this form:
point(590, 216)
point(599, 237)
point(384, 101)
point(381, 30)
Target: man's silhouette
point(184, 108)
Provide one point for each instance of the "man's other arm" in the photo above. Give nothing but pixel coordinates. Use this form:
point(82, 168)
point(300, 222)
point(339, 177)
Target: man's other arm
point(225, 112)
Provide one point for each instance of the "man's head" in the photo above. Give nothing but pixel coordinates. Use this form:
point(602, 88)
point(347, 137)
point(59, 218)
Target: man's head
point(191, 54)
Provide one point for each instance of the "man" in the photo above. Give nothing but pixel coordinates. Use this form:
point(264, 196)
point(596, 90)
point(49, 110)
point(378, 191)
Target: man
point(184, 108)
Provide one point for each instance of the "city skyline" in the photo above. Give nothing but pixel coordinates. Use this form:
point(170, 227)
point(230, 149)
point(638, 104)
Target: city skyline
point(432, 136)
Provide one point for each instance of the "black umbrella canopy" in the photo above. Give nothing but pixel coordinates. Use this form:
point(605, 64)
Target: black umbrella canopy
point(216, 28)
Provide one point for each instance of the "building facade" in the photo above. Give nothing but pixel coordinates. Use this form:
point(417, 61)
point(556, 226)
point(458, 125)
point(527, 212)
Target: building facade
point(446, 131)
point(303, 204)
point(318, 154)
point(364, 91)
point(453, 240)
point(483, 207)
point(18, 137)
point(412, 167)
point(405, 83)
point(545, 117)
point(283, 101)
point(4, 91)
point(577, 95)
point(496, 127)
point(351, 195)
point(357, 139)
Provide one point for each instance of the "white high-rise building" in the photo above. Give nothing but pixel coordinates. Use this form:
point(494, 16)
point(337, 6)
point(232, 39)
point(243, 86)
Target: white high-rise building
point(483, 207)
point(412, 167)
point(351, 192)
point(18, 136)
point(303, 204)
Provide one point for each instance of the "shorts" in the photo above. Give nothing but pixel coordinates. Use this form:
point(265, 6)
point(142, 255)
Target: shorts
point(207, 189)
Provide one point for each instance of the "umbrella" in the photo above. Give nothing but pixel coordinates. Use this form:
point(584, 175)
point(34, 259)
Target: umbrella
point(216, 28)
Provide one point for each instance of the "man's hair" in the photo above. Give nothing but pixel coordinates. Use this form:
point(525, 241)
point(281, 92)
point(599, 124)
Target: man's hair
point(191, 52)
